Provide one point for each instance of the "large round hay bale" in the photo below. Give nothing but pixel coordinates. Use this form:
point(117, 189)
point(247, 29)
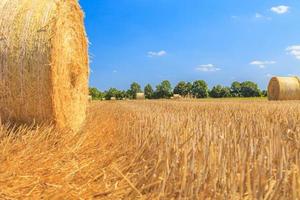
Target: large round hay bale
point(43, 62)
point(284, 88)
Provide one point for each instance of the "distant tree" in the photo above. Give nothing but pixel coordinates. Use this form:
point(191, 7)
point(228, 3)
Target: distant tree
point(200, 89)
point(183, 88)
point(120, 94)
point(113, 92)
point(95, 93)
point(148, 91)
point(226, 92)
point(135, 88)
point(264, 93)
point(235, 89)
point(104, 94)
point(163, 90)
point(180, 88)
point(188, 89)
point(250, 89)
point(219, 91)
point(216, 91)
point(128, 94)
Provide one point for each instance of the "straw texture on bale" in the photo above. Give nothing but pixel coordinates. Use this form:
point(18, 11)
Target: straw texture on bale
point(284, 88)
point(43, 62)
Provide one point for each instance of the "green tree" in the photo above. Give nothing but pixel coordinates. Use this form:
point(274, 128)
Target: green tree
point(180, 88)
point(120, 94)
point(135, 88)
point(112, 92)
point(148, 91)
point(235, 89)
point(183, 88)
point(128, 94)
point(219, 91)
point(163, 90)
point(188, 89)
point(95, 93)
point(226, 92)
point(216, 91)
point(200, 89)
point(264, 93)
point(250, 89)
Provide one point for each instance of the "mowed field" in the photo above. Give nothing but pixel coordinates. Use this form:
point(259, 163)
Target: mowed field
point(188, 149)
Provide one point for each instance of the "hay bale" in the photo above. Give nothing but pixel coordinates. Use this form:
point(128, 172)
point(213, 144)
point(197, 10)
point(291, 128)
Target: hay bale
point(113, 98)
point(43, 62)
point(177, 96)
point(90, 98)
point(284, 88)
point(140, 96)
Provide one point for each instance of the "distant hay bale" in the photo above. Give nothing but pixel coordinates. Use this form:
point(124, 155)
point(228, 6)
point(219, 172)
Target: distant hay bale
point(113, 98)
point(177, 96)
point(140, 96)
point(90, 98)
point(43, 62)
point(284, 88)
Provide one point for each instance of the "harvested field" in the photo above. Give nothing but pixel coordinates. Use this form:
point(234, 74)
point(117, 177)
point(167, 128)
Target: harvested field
point(227, 149)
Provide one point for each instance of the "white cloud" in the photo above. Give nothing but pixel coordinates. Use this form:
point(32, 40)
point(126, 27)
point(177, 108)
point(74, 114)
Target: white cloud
point(262, 64)
point(115, 71)
point(207, 68)
point(157, 54)
point(294, 50)
point(261, 17)
point(280, 9)
point(270, 75)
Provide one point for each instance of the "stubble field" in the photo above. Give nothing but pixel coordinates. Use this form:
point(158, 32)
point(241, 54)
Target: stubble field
point(228, 149)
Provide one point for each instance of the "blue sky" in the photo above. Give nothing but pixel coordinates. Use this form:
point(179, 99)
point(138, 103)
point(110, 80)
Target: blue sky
point(215, 40)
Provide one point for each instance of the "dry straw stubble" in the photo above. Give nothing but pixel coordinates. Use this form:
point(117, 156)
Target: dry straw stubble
point(228, 149)
point(43, 62)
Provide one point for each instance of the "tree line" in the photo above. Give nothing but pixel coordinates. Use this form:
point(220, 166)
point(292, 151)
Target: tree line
point(196, 89)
